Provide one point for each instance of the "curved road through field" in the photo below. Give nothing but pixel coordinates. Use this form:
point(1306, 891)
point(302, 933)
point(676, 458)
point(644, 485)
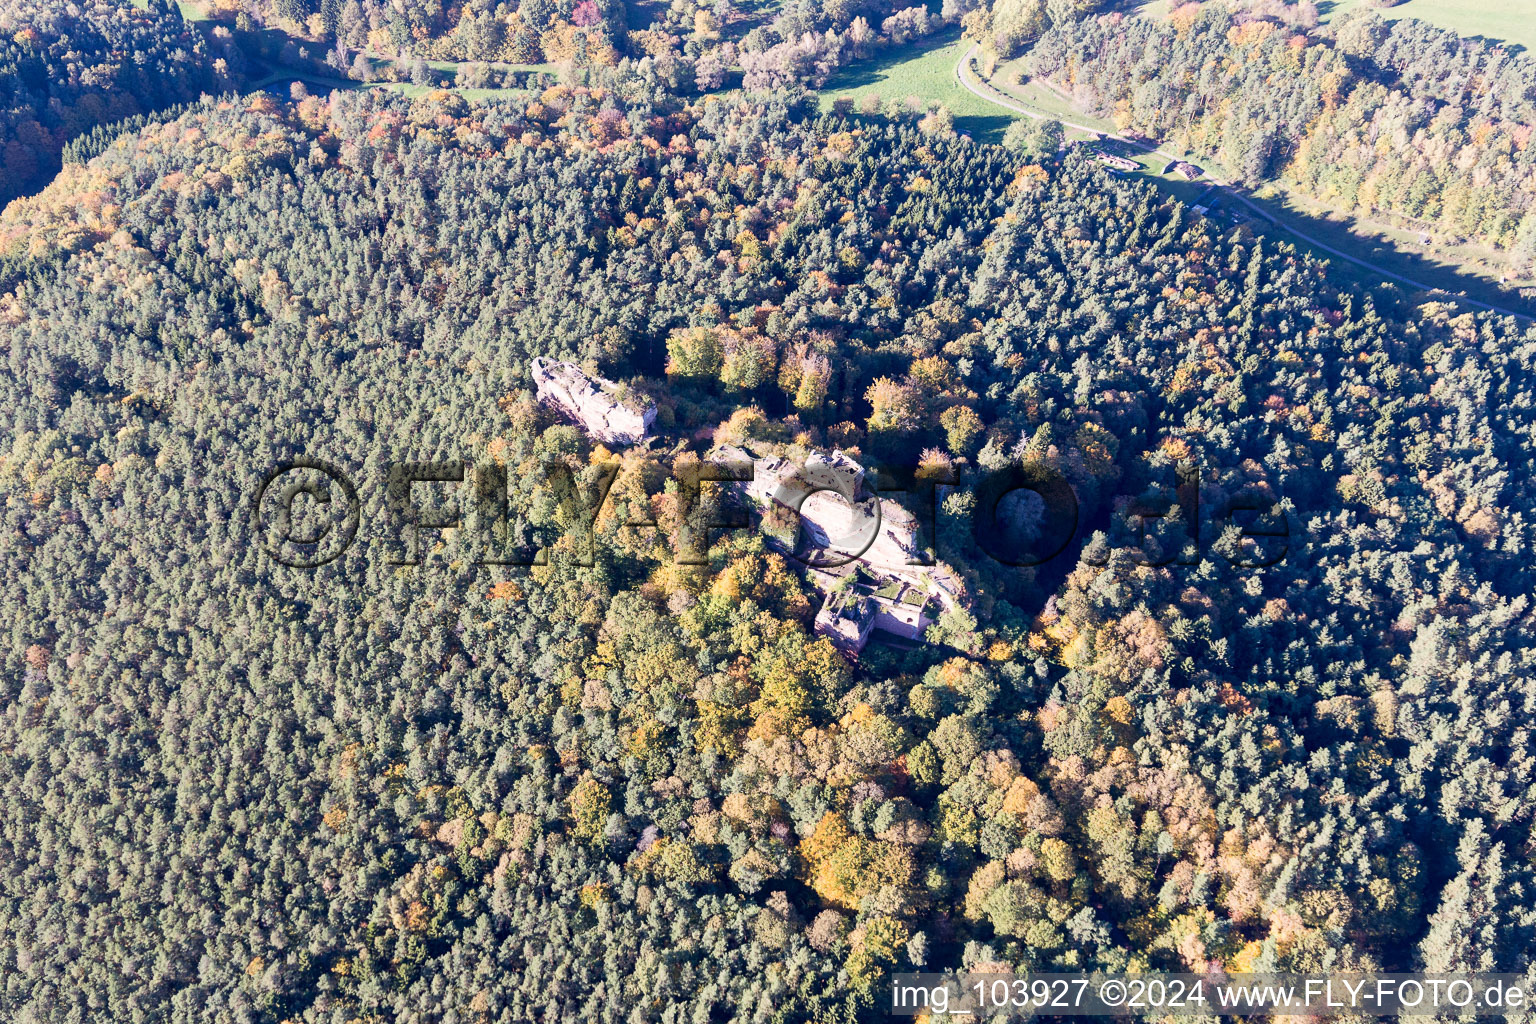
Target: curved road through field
point(991, 95)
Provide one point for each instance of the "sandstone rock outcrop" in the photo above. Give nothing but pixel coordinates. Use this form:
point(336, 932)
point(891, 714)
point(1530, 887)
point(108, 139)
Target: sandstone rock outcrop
point(599, 406)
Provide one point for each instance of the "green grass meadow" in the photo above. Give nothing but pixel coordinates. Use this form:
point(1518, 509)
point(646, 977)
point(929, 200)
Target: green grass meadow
point(925, 69)
point(1512, 21)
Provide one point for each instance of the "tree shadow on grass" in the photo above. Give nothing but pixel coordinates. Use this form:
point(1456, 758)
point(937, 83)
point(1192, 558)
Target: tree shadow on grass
point(983, 127)
point(871, 70)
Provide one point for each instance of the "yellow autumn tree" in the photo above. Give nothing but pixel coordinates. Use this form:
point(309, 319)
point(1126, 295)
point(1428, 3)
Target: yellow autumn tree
point(893, 407)
point(589, 806)
point(844, 867)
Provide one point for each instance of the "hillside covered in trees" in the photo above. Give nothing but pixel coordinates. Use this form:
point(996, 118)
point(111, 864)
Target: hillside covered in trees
point(636, 790)
point(67, 68)
point(690, 45)
point(1395, 118)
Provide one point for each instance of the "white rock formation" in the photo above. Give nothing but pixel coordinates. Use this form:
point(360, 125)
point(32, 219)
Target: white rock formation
point(592, 402)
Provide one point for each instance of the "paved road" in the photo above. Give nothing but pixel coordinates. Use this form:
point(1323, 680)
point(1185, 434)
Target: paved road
point(986, 92)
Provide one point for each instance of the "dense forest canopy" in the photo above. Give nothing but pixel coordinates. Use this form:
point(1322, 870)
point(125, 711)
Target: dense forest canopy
point(634, 790)
point(1397, 118)
point(67, 67)
point(692, 45)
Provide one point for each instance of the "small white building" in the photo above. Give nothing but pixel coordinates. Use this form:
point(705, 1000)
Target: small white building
point(1119, 163)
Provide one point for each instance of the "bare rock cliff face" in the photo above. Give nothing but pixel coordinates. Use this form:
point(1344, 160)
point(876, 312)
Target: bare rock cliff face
point(592, 402)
